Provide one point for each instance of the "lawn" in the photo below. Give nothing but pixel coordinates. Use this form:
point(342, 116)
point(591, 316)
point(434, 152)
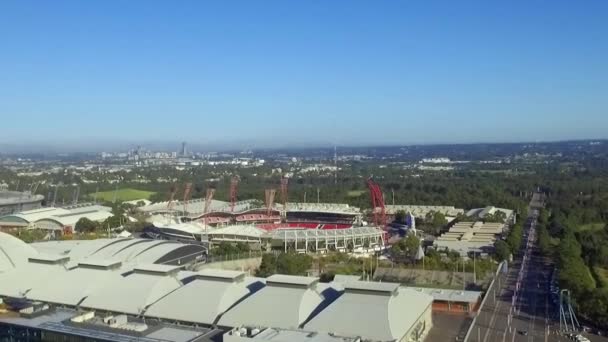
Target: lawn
point(355, 193)
point(591, 226)
point(602, 274)
point(122, 195)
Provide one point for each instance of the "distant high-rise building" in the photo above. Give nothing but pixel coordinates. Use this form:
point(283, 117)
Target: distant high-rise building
point(184, 150)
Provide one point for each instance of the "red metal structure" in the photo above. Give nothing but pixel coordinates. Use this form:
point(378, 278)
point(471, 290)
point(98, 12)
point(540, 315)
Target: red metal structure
point(284, 183)
point(377, 198)
point(208, 199)
point(172, 192)
point(187, 191)
point(234, 185)
point(270, 193)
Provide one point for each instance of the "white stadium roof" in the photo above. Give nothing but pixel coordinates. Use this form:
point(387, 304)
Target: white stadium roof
point(296, 299)
point(135, 292)
point(204, 299)
point(115, 276)
point(378, 311)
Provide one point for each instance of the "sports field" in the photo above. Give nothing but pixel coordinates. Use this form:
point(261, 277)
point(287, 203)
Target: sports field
point(126, 194)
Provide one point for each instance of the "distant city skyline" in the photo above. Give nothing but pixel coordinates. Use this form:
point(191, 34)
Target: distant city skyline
point(90, 76)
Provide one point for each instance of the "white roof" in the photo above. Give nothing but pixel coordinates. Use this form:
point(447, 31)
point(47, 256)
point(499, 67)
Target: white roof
point(450, 295)
point(240, 230)
point(13, 252)
point(65, 215)
point(19, 281)
point(127, 250)
point(205, 298)
point(295, 302)
point(133, 293)
point(73, 286)
point(370, 311)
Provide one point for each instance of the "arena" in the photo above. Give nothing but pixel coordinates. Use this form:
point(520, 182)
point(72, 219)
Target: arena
point(15, 201)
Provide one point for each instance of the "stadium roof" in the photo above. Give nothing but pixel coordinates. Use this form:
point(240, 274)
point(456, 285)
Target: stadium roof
point(56, 218)
point(489, 210)
point(15, 197)
point(13, 252)
point(301, 234)
point(422, 210)
point(239, 230)
point(295, 302)
point(205, 298)
point(127, 250)
point(366, 310)
point(337, 208)
point(135, 292)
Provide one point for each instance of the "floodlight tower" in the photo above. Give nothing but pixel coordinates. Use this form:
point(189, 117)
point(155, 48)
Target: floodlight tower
point(234, 184)
point(270, 193)
point(187, 191)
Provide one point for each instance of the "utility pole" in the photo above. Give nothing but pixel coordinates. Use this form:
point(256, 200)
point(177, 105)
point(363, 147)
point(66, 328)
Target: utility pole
point(335, 165)
point(393, 191)
point(318, 191)
point(304, 196)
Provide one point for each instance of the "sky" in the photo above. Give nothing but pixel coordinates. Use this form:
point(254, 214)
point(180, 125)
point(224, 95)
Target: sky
point(279, 73)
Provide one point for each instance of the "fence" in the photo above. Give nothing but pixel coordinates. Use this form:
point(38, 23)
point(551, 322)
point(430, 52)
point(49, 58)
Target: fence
point(483, 302)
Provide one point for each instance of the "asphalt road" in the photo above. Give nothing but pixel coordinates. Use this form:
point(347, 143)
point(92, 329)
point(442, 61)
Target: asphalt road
point(531, 316)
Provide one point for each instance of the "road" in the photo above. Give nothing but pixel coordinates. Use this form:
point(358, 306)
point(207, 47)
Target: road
point(521, 310)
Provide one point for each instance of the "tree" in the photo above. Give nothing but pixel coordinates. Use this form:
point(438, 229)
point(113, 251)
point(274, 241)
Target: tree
point(501, 250)
point(406, 248)
point(84, 225)
point(284, 263)
point(400, 216)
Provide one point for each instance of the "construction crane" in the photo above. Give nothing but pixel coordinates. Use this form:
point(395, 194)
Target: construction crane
point(234, 185)
point(187, 191)
point(377, 199)
point(270, 193)
point(208, 199)
point(284, 183)
point(172, 192)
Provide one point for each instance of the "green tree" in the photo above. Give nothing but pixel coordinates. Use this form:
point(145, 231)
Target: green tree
point(406, 248)
point(84, 225)
point(400, 216)
point(501, 250)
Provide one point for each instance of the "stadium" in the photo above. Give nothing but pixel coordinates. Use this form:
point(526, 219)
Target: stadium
point(15, 201)
point(300, 227)
point(126, 289)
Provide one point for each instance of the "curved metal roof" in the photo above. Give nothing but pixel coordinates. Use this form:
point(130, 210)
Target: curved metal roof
point(204, 299)
point(13, 252)
point(297, 302)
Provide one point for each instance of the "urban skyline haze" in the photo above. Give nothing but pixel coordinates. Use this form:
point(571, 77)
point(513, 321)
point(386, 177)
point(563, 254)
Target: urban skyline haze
point(302, 73)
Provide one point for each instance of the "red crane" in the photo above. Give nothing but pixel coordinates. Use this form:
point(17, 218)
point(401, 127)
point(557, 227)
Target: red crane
point(284, 183)
point(234, 186)
point(377, 198)
point(208, 199)
point(270, 193)
point(172, 192)
point(187, 191)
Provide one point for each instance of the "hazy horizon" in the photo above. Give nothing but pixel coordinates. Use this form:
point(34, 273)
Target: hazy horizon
point(84, 74)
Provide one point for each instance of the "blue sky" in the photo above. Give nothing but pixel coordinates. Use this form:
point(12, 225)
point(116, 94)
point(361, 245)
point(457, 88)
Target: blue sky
point(306, 72)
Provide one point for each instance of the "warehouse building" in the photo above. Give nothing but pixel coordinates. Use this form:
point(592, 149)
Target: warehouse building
point(466, 237)
point(125, 289)
point(57, 218)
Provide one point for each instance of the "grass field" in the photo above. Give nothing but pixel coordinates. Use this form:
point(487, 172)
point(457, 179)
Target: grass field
point(122, 195)
point(602, 274)
point(591, 226)
point(355, 193)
